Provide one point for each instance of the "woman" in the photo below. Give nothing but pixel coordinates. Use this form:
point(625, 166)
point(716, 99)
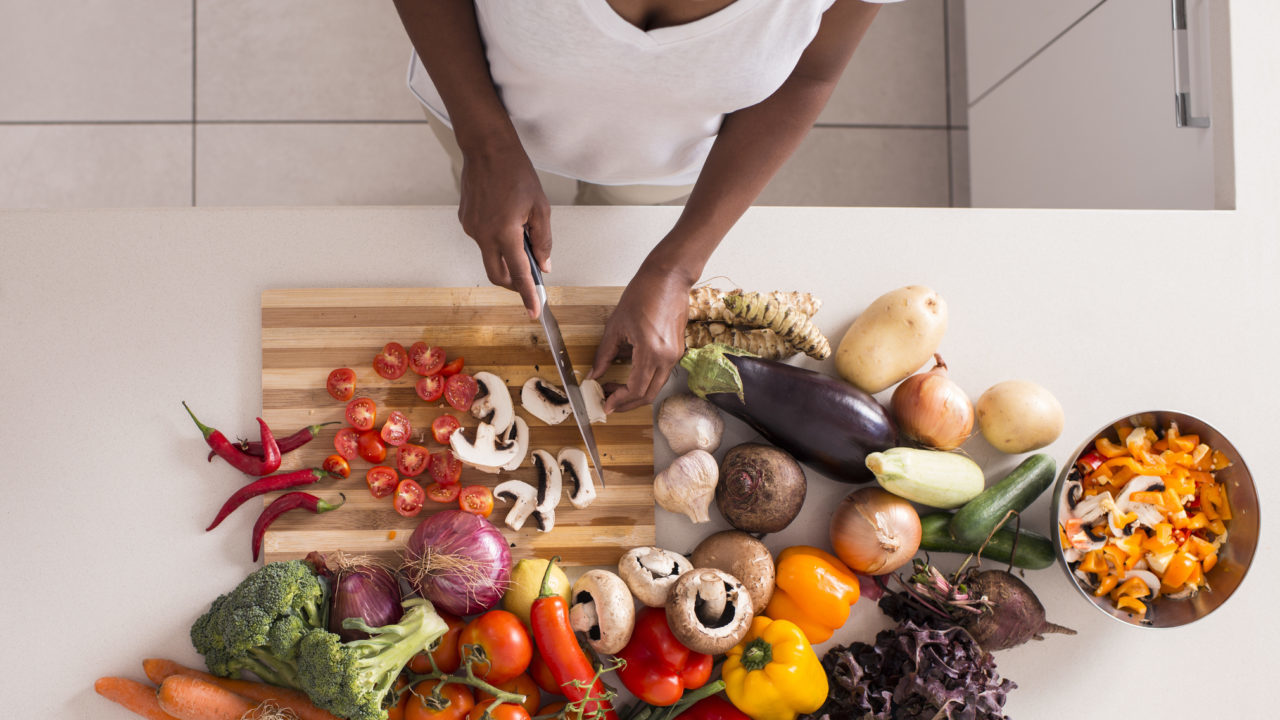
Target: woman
point(642, 101)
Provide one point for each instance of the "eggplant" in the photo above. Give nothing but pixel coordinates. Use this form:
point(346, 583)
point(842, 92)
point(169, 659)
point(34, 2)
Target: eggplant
point(824, 422)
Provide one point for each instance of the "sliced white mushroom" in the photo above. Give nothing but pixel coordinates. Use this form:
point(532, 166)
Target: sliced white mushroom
point(548, 489)
point(576, 473)
point(486, 452)
point(523, 498)
point(1094, 506)
point(519, 434)
point(1148, 515)
point(593, 398)
point(1152, 582)
point(493, 402)
point(545, 401)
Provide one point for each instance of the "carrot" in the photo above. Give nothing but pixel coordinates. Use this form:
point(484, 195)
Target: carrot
point(133, 695)
point(189, 698)
point(159, 669)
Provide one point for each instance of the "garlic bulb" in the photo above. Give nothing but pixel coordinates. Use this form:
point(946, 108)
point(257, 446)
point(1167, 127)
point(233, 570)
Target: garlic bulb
point(690, 423)
point(688, 485)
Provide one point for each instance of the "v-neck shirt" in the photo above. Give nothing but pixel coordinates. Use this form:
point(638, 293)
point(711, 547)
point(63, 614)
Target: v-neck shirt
point(595, 98)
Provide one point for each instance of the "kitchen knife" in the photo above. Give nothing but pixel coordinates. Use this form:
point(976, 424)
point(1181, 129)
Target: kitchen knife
point(561, 356)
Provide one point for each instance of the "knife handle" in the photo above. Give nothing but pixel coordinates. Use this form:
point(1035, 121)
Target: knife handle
point(533, 268)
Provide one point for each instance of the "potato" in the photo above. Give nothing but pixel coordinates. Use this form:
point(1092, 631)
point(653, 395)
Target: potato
point(892, 338)
point(1018, 416)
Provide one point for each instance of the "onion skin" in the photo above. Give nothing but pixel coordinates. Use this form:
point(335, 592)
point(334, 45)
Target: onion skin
point(457, 536)
point(932, 409)
point(875, 532)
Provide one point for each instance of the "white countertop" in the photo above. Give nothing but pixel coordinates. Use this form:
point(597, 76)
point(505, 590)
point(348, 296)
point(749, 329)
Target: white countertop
point(109, 318)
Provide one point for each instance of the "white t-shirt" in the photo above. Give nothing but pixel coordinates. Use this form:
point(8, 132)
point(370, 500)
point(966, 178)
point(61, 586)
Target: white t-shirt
point(595, 98)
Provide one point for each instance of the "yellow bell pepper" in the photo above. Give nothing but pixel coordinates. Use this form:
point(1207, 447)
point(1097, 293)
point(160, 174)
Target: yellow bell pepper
point(774, 674)
point(814, 590)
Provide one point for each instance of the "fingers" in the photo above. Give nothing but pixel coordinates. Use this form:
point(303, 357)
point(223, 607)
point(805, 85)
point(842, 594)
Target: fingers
point(605, 354)
point(494, 266)
point(517, 262)
point(540, 236)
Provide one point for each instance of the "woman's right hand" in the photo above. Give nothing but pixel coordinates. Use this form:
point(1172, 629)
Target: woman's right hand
point(501, 195)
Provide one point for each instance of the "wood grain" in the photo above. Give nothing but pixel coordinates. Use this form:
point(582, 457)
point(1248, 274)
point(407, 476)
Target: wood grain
point(308, 332)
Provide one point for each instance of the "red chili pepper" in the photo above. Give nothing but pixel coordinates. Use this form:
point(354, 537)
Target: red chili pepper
point(659, 668)
point(286, 445)
point(237, 458)
point(572, 670)
point(713, 708)
point(266, 485)
point(282, 505)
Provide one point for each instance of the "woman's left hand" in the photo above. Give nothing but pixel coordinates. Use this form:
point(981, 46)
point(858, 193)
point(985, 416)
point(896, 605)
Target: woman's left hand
point(649, 321)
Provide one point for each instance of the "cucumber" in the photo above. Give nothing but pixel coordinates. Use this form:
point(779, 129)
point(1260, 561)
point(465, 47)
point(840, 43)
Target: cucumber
point(1035, 551)
point(973, 522)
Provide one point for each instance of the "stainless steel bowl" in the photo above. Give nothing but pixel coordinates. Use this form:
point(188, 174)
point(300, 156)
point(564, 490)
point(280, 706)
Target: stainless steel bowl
point(1242, 529)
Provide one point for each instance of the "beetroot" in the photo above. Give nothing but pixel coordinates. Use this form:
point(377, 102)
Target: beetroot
point(1015, 614)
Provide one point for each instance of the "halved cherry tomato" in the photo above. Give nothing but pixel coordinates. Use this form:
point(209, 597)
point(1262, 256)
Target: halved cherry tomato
point(408, 498)
point(445, 468)
point(396, 429)
point(430, 388)
point(411, 459)
point(370, 446)
point(476, 499)
point(460, 391)
point(501, 638)
point(501, 711)
point(453, 367)
point(425, 359)
point(336, 466)
point(443, 493)
point(382, 481)
point(459, 697)
point(443, 426)
point(392, 361)
point(362, 413)
point(342, 384)
point(445, 651)
point(345, 442)
point(521, 684)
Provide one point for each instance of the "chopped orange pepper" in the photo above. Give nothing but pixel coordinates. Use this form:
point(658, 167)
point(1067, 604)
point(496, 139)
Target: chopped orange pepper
point(1220, 461)
point(1151, 498)
point(1109, 449)
point(1093, 563)
point(1179, 570)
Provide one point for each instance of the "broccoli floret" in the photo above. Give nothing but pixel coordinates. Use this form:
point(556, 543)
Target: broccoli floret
point(352, 679)
point(257, 626)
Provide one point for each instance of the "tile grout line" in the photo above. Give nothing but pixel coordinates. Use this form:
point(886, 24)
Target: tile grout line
point(946, 83)
point(194, 36)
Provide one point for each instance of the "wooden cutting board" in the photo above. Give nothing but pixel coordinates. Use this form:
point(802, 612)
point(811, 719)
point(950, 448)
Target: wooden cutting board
point(308, 332)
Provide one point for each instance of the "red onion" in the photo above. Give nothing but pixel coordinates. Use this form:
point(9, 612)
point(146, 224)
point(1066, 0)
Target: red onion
point(459, 561)
point(362, 588)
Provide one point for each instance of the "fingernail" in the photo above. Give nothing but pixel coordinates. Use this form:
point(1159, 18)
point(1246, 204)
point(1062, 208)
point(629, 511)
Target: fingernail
point(546, 265)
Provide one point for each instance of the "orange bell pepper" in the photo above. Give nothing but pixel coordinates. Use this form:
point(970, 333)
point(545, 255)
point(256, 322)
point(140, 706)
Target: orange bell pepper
point(814, 590)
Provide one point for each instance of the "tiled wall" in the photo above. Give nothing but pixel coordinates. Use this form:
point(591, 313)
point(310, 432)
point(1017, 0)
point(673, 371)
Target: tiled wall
point(303, 102)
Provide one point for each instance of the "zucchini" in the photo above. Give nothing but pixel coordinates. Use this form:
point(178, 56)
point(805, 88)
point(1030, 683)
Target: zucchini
point(1035, 551)
point(973, 522)
point(929, 477)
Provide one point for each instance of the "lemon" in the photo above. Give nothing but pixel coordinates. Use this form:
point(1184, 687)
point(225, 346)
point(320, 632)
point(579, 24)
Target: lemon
point(526, 584)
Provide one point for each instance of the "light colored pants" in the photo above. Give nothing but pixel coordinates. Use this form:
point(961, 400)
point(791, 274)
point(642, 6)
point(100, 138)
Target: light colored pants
point(588, 193)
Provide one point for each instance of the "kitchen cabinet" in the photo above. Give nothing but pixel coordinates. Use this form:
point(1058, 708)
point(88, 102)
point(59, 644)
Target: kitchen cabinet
point(1089, 119)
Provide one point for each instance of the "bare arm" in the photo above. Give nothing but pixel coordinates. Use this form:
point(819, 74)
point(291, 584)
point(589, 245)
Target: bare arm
point(752, 144)
point(501, 193)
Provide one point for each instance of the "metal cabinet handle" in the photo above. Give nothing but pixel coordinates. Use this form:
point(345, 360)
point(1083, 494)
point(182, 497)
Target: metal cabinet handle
point(1182, 116)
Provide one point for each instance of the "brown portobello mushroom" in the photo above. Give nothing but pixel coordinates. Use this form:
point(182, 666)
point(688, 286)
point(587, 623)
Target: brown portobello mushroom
point(761, 488)
point(709, 611)
point(743, 557)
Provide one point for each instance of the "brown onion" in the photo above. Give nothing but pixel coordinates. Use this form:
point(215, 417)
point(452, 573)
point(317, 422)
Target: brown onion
point(875, 532)
point(932, 410)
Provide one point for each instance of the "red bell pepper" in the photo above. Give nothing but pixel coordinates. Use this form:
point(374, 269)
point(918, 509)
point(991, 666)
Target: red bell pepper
point(658, 667)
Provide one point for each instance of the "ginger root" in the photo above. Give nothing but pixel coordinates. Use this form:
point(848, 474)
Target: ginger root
point(792, 326)
point(707, 304)
point(762, 342)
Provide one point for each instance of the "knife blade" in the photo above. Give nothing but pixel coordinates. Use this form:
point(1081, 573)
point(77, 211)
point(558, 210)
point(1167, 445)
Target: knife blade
point(563, 365)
